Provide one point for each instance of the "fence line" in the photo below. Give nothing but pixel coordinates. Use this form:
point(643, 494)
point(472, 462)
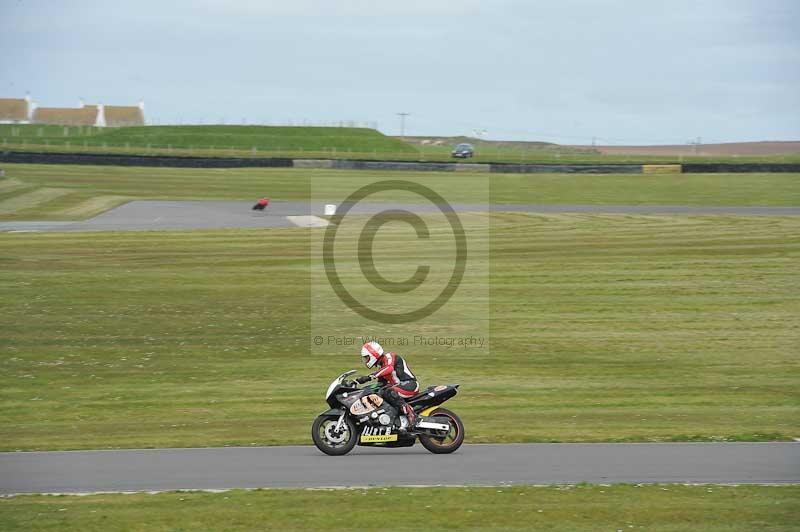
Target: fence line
point(84, 144)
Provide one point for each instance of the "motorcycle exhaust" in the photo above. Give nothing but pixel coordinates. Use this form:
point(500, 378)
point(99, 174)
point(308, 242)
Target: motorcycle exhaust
point(422, 424)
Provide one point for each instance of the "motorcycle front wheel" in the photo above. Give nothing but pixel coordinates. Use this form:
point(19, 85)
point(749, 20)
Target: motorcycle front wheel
point(452, 440)
point(329, 440)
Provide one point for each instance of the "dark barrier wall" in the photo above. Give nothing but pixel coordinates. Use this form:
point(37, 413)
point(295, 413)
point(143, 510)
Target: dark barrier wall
point(501, 168)
point(139, 160)
point(567, 168)
point(493, 167)
point(219, 162)
point(394, 165)
point(740, 168)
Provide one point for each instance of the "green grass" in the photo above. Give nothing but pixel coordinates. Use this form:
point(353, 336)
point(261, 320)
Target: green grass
point(666, 508)
point(89, 190)
point(308, 142)
point(602, 328)
point(249, 139)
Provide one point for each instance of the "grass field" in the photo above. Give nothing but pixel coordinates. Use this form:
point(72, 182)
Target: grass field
point(248, 139)
point(304, 142)
point(56, 192)
point(614, 327)
point(568, 508)
point(603, 328)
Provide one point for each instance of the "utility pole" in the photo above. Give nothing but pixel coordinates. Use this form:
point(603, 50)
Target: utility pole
point(403, 123)
point(696, 144)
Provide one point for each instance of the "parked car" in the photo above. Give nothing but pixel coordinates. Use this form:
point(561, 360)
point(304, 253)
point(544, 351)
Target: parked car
point(462, 151)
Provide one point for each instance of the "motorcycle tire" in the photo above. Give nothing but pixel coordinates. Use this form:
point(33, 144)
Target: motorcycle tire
point(325, 446)
point(449, 443)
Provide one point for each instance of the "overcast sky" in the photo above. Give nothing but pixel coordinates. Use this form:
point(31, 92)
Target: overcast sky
point(624, 71)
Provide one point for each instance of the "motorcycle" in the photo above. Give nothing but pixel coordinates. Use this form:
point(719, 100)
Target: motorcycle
point(360, 416)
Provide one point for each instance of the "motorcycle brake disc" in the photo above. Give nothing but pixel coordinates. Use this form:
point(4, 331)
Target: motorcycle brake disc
point(333, 437)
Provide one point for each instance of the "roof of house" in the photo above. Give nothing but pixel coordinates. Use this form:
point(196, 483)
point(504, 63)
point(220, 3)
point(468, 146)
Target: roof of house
point(117, 115)
point(82, 116)
point(13, 109)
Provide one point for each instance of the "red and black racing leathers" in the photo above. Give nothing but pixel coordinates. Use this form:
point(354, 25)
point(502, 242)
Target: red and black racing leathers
point(402, 383)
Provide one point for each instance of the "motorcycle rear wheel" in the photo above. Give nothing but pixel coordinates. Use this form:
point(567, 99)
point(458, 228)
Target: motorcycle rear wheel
point(319, 433)
point(452, 441)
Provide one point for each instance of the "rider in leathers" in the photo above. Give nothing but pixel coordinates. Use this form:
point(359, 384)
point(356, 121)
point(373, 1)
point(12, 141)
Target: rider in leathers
point(393, 371)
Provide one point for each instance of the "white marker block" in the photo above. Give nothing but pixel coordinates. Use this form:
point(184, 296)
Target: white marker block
point(330, 210)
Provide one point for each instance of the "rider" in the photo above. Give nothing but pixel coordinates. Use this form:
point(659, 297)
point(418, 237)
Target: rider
point(393, 371)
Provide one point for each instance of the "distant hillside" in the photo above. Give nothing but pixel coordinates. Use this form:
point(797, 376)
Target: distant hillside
point(728, 148)
point(500, 147)
point(497, 149)
point(262, 138)
point(452, 141)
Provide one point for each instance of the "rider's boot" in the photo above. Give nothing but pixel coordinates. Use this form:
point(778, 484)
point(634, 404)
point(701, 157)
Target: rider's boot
point(410, 415)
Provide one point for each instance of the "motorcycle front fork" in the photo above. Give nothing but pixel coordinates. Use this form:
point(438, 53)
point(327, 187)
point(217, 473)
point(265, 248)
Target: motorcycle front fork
point(340, 423)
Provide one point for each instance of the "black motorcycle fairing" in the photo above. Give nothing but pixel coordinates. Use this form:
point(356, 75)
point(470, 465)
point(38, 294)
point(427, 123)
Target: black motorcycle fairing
point(408, 441)
point(348, 397)
point(334, 401)
point(433, 396)
point(344, 396)
point(333, 412)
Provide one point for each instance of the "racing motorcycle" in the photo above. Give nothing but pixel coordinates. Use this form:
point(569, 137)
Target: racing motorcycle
point(360, 416)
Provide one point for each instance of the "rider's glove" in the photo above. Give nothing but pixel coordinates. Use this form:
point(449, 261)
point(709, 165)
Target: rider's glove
point(363, 379)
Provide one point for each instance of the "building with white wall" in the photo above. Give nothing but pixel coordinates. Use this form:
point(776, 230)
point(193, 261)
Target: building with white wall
point(16, 110)
point(25, 111)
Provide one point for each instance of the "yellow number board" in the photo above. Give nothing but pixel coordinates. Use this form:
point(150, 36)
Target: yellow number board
point(378, 438)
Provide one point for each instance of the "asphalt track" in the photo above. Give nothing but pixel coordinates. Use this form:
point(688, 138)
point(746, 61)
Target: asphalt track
point(305, 466)
point(148, 215)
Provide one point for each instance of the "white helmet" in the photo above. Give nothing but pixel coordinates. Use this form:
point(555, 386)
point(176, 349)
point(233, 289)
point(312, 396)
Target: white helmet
point(370, 353)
